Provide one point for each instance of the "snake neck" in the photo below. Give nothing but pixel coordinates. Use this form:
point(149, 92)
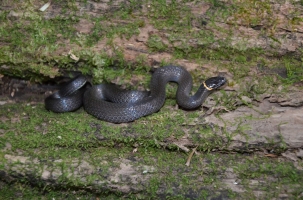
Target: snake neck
point(192, 102)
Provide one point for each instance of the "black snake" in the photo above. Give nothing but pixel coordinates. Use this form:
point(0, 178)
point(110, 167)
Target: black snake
point(109, 103)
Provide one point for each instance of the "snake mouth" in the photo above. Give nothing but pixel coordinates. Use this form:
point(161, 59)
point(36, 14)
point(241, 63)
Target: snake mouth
point(214, 82)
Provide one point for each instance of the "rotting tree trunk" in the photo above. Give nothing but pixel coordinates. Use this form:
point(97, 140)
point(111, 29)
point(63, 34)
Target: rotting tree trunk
point(279, 121)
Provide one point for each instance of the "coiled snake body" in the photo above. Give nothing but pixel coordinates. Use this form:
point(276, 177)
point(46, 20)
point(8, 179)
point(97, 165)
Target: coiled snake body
point(109, 103)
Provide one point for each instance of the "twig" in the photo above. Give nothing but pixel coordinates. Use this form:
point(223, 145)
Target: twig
point(190, 156)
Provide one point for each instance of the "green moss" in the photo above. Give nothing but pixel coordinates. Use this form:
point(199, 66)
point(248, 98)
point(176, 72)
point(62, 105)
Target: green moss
point(62, 130)
point(155, 43)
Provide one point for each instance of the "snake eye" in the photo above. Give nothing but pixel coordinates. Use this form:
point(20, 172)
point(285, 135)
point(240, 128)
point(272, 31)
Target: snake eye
point(215, 82)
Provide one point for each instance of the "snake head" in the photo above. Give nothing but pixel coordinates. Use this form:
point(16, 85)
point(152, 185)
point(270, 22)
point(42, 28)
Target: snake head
point(214, 82)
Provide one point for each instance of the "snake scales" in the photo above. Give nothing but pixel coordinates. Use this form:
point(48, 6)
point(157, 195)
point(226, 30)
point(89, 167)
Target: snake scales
point(109, 103)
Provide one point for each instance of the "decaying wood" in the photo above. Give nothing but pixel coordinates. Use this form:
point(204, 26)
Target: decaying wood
point(273, 120)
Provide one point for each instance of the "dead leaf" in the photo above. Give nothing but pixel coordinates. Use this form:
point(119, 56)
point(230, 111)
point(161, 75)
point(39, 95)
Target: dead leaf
point(271, 155)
